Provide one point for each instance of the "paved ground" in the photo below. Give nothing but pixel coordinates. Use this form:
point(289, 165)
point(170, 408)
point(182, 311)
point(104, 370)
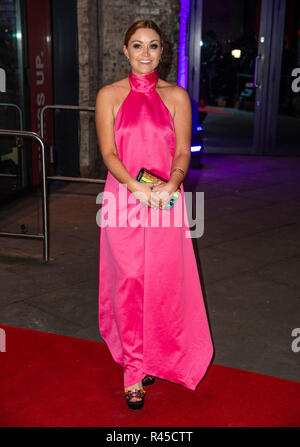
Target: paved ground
point(248, 258)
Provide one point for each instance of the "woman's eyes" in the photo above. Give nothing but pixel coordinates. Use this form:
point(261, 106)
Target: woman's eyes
point(154, 45)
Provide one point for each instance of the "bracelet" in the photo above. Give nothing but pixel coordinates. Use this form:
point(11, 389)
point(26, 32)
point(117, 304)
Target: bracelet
point(178, 169)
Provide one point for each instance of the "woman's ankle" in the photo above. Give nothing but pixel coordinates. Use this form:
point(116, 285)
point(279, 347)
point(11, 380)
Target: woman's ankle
point(137, 386)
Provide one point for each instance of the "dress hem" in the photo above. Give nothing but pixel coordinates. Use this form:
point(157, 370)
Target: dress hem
point(190, 385)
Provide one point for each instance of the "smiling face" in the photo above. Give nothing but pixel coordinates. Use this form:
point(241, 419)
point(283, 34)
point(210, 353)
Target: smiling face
point(144, 51)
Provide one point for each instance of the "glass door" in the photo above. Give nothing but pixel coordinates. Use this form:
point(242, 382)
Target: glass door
point(228, 67)
point(243, 100)
point(288, 118)
point(12, 157)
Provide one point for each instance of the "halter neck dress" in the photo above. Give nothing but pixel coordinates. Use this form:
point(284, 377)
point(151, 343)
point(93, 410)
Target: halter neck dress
point(151, 311)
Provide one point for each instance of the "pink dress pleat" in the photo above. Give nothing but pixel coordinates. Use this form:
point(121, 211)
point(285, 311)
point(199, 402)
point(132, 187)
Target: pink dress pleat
point(151, 310)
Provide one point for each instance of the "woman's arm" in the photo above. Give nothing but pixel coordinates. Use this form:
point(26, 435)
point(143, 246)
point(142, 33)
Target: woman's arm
point(183, 132)
point(104, 120)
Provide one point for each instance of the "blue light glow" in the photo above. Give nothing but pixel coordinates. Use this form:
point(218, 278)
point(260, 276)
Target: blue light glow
point(182, 76)
point(196, 148)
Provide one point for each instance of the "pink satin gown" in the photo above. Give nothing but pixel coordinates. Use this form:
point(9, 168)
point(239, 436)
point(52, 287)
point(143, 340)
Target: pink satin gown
point(151, 310)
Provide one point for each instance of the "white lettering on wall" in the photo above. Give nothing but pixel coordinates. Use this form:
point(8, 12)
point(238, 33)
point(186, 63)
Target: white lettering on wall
point(2, 80)
point(40, 96)
point(296, 82)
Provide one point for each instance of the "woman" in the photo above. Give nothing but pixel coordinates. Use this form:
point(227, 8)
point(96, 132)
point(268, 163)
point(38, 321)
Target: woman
point(151, 310)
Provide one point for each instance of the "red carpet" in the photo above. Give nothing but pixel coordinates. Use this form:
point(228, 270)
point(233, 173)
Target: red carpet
point(52, 380)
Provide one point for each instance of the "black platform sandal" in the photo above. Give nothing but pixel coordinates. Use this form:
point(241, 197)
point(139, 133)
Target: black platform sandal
point(135, 404)
point(148, 380)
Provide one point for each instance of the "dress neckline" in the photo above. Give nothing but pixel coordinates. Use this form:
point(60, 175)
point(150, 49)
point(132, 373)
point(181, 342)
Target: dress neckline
point(145, 83)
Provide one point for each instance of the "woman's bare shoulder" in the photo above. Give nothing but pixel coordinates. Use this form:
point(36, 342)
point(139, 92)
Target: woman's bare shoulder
point(175, 91)
point(172, 95)
point(111, 93)
point(121, 82)
point(110, 89)
point(111, 96)
point(105, 95)
point(161, 83)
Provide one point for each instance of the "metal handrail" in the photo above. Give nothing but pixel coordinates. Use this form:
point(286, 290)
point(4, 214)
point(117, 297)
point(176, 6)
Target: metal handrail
point(45, 235)
point(66, 107)
point(40, 139)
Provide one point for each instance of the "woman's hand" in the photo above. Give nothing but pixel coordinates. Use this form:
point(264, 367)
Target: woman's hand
point(155, 195)
point(143, 193)
point(162, 193)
